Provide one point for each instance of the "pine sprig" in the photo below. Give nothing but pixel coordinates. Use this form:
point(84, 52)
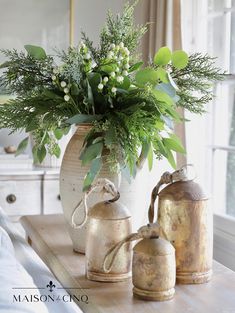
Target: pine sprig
point(195, 82)
point(25, 74)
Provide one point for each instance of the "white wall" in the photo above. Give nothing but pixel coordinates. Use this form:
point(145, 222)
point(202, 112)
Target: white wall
point(46, 23)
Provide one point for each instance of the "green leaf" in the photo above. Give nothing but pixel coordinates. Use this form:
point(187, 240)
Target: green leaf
point(144, 150)
point(108, 68)
point(74, 89)
point(66, 130)
point(179, 59)
point(110, 136)
point(173, 144)
point(162, 148)
point(90, 94)
point(5, 64)
point(162, 75)
point(171, 158)
point(163, 97)
point(41, 153)
point(167, 88)
point(31, 126)
point(150, 158)
point(83, 118)
point(58, 133)
point(135, 67)
point(57, 151)
point(91, 175)
point(94, 80)
point(22, 146)
point(36, 52)
point(125, 84)
point(163, 56)
point(148, 75)
point(35, 154)
point(91, 152)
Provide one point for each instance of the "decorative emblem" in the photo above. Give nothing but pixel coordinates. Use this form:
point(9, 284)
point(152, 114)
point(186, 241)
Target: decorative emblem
point(50, 286)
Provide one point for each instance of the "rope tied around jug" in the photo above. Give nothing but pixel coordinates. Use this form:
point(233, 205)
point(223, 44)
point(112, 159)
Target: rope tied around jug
point(167, 178)
point(105, 186)
point(147, 231)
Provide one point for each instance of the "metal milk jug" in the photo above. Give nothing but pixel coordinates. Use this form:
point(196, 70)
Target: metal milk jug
point(153, 266)
point(108, 223)
point(187, 222)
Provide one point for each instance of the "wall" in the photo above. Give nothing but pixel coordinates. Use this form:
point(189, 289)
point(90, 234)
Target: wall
point(47, 24)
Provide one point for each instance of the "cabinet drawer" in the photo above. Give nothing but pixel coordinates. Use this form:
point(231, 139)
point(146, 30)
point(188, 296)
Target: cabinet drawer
point(21, 197)
point(51, 201)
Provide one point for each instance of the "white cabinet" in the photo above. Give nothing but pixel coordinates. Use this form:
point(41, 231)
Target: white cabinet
point(29, 192)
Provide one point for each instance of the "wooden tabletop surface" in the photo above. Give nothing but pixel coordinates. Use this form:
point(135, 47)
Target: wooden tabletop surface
point(50, 239)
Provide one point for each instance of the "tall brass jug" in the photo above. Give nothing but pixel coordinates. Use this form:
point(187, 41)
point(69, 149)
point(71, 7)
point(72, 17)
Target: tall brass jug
point(187, 222)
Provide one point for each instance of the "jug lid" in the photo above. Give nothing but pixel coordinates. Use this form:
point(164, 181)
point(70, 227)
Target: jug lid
point(107, 210)
point(154, 247)
point(183, 190)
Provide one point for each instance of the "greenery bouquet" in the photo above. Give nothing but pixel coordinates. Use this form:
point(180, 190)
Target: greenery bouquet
point(132, 107)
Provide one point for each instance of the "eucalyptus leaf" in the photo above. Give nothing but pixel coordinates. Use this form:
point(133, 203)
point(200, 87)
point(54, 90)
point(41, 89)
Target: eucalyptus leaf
point(90, 94)
point(91, 152)
point(173, 144)
point(57, 151)
point(96, 165)
point(150, 158)
point(167, 88)
point(162, 75)
point(58, 133)
point(171, 158)
point(147, 75)
point(36, 52)
point(41, 153)
point(163, 97)
point(179, 59)
point(22, 146)
point(135, 67)
point(110, 136)
point(125, 84)
point(83, 118)
point(74, 89)
point(163, 56)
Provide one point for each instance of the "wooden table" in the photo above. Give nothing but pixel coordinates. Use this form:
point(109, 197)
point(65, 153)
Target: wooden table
point(50, 239)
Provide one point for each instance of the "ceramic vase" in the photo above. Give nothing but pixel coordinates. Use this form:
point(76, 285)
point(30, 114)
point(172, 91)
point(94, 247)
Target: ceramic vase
point(71, 182)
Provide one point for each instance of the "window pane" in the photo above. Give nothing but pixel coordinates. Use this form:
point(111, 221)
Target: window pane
point(217, 41)
point(232, 52)
point(223, 114)
point(218, 5)
point(224, 182)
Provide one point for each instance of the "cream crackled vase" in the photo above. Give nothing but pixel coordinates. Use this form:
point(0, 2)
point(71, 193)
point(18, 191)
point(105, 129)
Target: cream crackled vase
point(72, 174)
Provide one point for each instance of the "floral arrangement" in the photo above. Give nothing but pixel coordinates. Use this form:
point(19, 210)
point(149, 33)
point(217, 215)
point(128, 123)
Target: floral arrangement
point(132, 107)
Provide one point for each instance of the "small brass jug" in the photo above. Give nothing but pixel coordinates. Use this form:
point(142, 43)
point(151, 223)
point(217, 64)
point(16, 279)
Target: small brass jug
point(108, 223)
point(153, 266)
point(187, 222)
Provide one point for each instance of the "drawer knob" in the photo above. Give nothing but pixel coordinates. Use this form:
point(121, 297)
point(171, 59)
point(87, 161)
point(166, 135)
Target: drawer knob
point(11, 198)
point(59, 197)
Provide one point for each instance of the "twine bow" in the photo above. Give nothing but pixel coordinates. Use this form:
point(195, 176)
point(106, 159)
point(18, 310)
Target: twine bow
point(167, 178)
point(105, 186)
point(148, 231)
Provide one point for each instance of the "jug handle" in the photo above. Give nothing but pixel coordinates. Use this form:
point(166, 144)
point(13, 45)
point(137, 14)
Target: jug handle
point(104, 185)
point(167, 178)
point(147, 231)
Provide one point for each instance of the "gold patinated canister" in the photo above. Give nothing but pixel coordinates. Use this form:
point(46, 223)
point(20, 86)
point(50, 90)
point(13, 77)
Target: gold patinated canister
point(153, 266)
point(108, 223)
point(186, 219)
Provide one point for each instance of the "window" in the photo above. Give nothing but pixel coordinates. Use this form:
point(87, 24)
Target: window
point(209, 27)
point(221, 43)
